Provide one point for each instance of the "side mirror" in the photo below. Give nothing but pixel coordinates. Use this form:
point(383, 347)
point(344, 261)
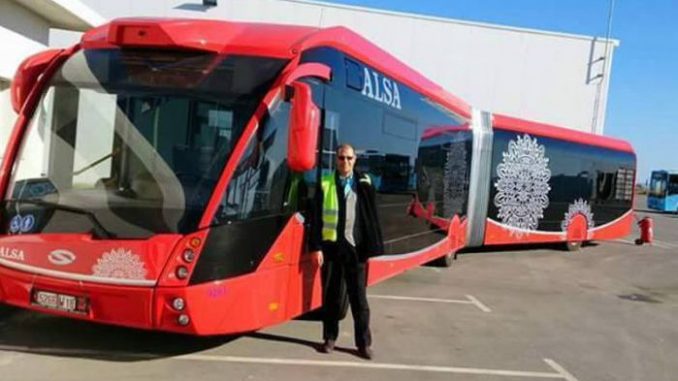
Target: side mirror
point(27, 75)
point(304, 127)
point(304, 116)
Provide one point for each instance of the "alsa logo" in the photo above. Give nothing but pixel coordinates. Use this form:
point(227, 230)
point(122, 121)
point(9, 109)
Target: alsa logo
point(381, 89)
point(61, 257)
point(12, 253)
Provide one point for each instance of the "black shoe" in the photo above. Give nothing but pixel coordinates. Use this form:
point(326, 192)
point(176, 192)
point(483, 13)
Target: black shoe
point(366, 352)
point(327, 347)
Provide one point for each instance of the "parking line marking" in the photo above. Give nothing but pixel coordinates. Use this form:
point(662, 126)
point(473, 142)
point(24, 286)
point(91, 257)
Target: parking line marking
point(372, 365)
point(655, 243)
point(477, 303)
point(566, 375)
point(561, 372)
point(661, 246)
point(470, 300)
point(418, 299)
point(77, 352)
point(666, 245)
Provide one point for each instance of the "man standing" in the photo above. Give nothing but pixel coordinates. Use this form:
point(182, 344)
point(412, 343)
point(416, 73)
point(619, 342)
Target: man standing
point(349, 233)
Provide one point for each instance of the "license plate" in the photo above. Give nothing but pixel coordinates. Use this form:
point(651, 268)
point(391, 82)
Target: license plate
point(61, 302)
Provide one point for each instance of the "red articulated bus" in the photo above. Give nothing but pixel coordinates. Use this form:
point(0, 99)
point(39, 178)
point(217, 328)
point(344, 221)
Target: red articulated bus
point(160, 172)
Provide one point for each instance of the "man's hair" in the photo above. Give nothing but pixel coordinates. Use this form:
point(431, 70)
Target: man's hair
point(344, 146)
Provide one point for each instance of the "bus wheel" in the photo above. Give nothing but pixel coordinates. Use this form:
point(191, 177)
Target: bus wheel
point(444, 261)
point(572, 245)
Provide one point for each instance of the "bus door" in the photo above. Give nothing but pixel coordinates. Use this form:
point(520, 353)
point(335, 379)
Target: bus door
point(304, 285)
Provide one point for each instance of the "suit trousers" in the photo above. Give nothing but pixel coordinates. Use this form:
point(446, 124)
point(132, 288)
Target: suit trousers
point(344, 270)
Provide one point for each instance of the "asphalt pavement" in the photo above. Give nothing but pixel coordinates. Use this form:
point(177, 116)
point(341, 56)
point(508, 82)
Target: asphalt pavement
point(608, 312)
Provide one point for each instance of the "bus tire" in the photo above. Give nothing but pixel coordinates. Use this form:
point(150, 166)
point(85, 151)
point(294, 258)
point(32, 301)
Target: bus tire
point(444, 261)
point(573, 245)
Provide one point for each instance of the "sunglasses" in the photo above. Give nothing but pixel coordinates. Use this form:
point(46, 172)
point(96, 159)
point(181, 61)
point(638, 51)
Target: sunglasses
point(342, 158)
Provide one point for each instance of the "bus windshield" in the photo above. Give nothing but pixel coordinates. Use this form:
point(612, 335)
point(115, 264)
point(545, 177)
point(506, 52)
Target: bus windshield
point(132, 142)
point(658, 184)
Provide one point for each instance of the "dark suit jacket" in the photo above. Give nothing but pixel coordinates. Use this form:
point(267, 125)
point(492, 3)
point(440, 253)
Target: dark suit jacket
point(371, 241)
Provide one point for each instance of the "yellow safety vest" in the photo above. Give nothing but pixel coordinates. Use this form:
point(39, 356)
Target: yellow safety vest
point(293, 192)
point(331, 205)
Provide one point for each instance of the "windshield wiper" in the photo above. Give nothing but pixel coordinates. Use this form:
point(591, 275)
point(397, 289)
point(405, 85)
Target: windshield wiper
point(99, 229)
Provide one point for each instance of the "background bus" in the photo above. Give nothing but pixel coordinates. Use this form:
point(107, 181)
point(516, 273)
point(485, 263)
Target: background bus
point(663, 192)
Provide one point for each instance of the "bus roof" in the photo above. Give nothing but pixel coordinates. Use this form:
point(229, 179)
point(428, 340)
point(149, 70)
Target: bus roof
point(283, 41)
point(550, 131)
point(288, 41)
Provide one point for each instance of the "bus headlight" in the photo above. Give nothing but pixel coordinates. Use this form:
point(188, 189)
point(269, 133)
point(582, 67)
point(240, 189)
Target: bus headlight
point(188, 255)
point(182, 272)
point(183, 319)
point(178, 304)
point(195, 242)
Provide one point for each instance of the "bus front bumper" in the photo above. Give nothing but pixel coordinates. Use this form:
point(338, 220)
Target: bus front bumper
point(118, 305)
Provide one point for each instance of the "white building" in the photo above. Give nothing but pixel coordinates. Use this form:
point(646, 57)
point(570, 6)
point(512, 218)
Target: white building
point(24, 30)
point(550, 77)
point(554, 78)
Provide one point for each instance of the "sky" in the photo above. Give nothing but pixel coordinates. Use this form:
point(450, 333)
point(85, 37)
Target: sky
point(643, 96)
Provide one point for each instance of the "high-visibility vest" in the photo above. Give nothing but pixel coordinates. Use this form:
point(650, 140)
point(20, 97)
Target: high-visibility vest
point(331, 205)
point(293, 192)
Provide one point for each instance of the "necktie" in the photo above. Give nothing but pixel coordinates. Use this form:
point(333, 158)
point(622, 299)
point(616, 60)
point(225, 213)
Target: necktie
point(347, 186)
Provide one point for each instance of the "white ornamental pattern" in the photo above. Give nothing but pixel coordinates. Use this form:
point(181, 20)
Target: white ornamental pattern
point(523, 184)
point(582, 207)
point(120, 263)
point(455, 179)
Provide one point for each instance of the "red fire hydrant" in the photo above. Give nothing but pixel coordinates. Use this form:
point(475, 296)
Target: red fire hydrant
point(646, 233)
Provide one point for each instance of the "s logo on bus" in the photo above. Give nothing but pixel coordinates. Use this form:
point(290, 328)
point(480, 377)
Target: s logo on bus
point(21, 224)
point(61, 257)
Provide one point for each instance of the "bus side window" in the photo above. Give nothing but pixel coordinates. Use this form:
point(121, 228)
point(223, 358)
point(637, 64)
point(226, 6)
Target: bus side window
point(673, 184)
point(624, 188)
point(354, 75)
point(260, 185)
point(605, 185)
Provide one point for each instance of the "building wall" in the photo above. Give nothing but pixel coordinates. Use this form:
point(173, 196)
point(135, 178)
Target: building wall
point(537, 75)
point(7, 116)
point(25, 30)
point(22, 21)
point(22, 33)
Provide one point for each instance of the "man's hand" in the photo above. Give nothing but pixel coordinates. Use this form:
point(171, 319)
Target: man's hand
point(318, 255)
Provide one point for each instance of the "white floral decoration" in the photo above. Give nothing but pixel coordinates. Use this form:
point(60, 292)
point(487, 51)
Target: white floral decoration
point(120, 263)
point(582, 207)
point(455, 179)
point(523, 184)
